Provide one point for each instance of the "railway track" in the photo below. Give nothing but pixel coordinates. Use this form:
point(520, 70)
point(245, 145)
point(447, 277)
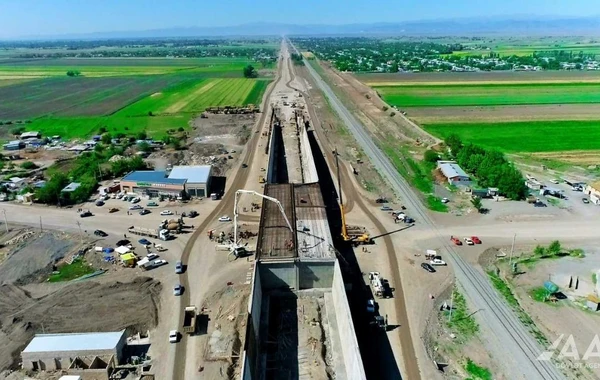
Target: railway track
point(513, 343)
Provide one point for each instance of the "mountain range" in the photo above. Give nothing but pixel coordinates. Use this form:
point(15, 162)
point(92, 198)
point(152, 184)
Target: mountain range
point(518, 25)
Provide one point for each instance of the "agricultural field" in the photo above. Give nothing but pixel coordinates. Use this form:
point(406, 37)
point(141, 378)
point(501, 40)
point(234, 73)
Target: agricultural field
point(490, 94)
point(123, 95)
point(515, 112)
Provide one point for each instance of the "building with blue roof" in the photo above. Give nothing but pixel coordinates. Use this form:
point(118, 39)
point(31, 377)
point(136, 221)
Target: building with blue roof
point(198, 179)
point(181, 181)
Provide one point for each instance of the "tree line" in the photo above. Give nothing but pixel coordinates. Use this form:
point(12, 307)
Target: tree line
point(490, 167)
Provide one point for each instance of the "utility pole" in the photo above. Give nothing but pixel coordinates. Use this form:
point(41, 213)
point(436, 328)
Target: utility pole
point(80, 233)
point(512, 250)
point(5, 220)
point(451, 305)
point(41, 229)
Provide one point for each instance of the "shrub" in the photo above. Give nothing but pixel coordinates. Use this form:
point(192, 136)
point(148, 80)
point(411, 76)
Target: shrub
point(392, 114)
point(385, 108)
point(28, 165)
point(431, 156)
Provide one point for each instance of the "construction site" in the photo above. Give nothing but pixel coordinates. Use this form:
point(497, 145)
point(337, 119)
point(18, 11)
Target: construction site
point(299, 320)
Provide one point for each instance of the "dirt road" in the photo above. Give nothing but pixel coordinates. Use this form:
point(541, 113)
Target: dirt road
point(239, 180)
point(499, 324)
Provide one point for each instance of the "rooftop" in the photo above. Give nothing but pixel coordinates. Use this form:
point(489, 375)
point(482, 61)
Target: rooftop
point(451, 170)
point(193, 174)
point(275, 240)
point(71, 187)
point(74, 342)
point(152, 176)
point(313, 233)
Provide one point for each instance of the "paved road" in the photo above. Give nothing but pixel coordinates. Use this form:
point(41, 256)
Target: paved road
point(506, 337)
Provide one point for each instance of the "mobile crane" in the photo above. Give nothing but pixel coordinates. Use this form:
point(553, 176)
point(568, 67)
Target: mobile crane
point(356, 236)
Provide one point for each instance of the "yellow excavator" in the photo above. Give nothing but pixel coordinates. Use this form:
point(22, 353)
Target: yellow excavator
point(355, 235)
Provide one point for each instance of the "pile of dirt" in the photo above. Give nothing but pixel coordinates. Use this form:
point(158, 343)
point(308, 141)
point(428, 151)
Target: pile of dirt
point(31, 259)
point(86, 306)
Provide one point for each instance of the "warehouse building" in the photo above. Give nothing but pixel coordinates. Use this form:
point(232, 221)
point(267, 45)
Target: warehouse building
point(197, 179)
point(152, 183)
point(90, 355)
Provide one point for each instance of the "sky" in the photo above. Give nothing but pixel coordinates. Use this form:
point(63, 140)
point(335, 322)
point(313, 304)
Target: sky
point(20, 18)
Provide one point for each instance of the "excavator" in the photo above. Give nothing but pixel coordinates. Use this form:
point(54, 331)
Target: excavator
point(355, 235)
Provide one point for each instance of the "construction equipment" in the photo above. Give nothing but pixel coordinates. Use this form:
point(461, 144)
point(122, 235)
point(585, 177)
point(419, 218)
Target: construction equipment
point(161, 234)
point(355, 235)
point(189, 319)
point(377, 283)
point(235, 248)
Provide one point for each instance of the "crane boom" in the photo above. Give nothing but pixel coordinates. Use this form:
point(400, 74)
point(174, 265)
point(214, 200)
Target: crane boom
point(236, 214)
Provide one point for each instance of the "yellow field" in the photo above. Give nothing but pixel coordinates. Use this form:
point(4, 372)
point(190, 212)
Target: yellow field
point(308, 54)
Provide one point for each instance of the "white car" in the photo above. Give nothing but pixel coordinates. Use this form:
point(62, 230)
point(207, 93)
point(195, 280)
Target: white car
point(437, 262)
point(554, 181)
point(158, 263)
point(135, 207)
point(173, 336)
point(469, 241)
point(445, 200)
point(152, 256)
point(135, 200)
point(166, 212)
point(225, 218)
point(177, 290)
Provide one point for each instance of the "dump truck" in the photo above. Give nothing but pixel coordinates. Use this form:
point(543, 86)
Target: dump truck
point(161, 234)
point(189, 319)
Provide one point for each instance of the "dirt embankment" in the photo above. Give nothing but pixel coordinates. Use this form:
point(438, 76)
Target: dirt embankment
point(85, 306)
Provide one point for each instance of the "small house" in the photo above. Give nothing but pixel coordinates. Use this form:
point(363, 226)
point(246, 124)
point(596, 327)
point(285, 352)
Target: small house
point(454, 173)
point(71, 187)
point(30, 135)
point(593, 190)
point(14, 145)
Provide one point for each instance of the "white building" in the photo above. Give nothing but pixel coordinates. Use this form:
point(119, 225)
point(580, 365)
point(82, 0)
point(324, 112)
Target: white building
point(198, 179)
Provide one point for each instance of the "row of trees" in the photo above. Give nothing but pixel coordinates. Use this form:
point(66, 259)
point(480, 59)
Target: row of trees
point(490, 167)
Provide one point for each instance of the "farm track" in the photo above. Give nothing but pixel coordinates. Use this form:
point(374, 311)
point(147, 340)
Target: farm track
point(239, 180)
point(503, 328)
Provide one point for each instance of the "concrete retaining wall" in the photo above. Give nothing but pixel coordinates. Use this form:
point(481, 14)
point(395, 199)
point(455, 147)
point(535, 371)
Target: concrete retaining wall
point(308, 163)
point(350, 351)
point(315, 275)
point(296, 275)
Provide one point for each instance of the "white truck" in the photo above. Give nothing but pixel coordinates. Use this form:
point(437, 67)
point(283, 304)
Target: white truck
point(161, 234)
point(377, 283)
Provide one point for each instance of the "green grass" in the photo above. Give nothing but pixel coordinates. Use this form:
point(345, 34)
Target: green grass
point(490, 94)
point(594, 278)
point(258, 90)
point(526, 136)
point(477, 372)
point(172, 109)
point(539, 294)
point(71, 271)
point(462, 323)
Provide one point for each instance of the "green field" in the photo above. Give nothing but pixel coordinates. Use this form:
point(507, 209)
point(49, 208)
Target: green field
point(490, 94)
point(171, 109)
point(528, 136)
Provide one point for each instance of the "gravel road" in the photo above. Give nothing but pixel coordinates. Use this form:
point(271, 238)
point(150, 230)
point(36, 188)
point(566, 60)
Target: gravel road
point(506, 337)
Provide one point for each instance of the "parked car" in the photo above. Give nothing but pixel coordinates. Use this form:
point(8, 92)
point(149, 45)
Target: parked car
point(476, 240)
point(381, 200)
point(100, 203)
point(437, 261)
point(152, 204)
point(179, 267)
point(244, 166)
point(144, 211)
point(86, 213)
point(554, 181)
point(469, 241)
point(177, 290)
point(386, 208)
point(224, 218)
point(100, 233)
point(144, 242)
point(173, 336)
point(192, 214)
point(158, 263)
point(135, 207)
point(151, 256)
point(166, 212)
point(540, 204)
point(113, 209)
point(135, 200)
point(585, 200)
point(428, 267)
point(160, 248)
point(371, 306)
point(445, 200)
point(455, 240)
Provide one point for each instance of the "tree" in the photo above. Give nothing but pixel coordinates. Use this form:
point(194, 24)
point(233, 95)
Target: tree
point(17, 130)
point(51, 192)
point(431, 156)
point(101, 130)
point(455, 144)
point(144, 147)
point(175, 143)
point(142, 135)
point(106, 139)
point(385, 108)
point(476, 202)
point(150, 113)
point(28, 165)
point(250, 72)
point(555, 247)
